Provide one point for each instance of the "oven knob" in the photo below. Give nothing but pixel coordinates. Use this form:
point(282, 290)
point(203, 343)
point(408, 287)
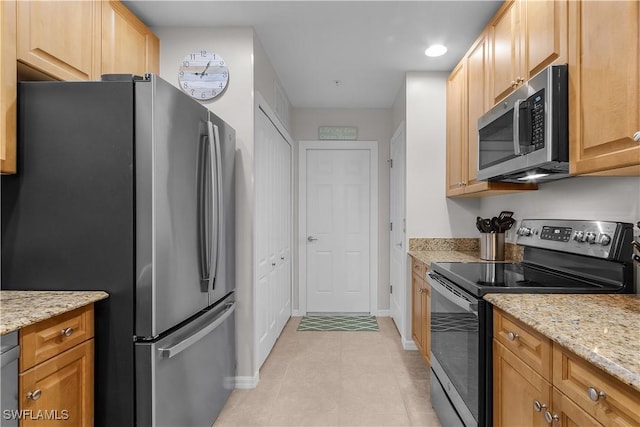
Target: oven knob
point(579, 236)
point(605, 239)
point(524, 231)
point(590, 238)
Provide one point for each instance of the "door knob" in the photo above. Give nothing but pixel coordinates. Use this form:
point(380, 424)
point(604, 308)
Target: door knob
point(636, 136)
point(311, 238)
point(399, 244)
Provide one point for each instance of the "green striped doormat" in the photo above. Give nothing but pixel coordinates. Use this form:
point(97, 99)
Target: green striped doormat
point(338, 323)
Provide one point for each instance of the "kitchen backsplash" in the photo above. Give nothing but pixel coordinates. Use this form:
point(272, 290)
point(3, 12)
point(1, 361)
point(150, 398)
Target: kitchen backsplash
point(513, 252)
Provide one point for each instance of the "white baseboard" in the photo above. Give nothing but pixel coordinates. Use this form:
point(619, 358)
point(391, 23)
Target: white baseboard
point(409, 344)
point(384, 313)
point(247, 382)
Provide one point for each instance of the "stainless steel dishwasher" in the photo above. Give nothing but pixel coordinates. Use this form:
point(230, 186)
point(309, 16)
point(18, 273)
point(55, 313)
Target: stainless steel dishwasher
point(9, 351)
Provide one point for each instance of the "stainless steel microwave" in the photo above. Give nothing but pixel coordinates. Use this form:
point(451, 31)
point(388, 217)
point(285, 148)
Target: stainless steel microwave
point(525, 138)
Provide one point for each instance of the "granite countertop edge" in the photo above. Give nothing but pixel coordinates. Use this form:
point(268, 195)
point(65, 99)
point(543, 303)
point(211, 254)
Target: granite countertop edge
point(23, 308)
point(428, 257)
point(574, 330)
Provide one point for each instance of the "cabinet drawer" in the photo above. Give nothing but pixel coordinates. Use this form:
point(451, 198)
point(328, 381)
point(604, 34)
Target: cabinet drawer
point(618, 404)
point(418, 267)
point(43, 340)
point(533, 348)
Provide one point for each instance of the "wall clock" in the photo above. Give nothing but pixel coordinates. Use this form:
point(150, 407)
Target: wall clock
point(203, 74)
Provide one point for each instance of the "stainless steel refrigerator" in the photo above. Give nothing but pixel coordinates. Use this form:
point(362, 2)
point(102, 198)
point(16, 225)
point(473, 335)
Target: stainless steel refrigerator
point(127, 185)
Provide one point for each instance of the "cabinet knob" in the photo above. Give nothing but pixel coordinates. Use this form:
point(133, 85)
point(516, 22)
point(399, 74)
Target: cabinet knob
point(551, 418)
point(66, 332)
point(513, 83)
point(519, 80)
point(34, 395)
point(512, 336)
point(636, 136)
point(538, 407)
point(595, 395)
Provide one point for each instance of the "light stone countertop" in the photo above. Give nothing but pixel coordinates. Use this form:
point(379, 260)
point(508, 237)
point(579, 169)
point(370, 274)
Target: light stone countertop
point(603, 329)
point(428, 257)
point(23, 308)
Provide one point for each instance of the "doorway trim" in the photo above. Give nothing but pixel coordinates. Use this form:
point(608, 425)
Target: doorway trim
point(303, 147)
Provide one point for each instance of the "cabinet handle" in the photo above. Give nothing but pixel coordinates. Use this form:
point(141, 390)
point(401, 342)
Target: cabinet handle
point(513, 83)
point(512, 336)
point(551, 418)
point(34, 395)
point(636, 136)
point(595, 395)
point(519, 80)
point(538, 407)
point(66, 332)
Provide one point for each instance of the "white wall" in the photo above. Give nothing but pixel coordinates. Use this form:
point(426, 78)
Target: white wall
point(373, 125)
point(596, 198)
point(235, 106)
point(429, 212)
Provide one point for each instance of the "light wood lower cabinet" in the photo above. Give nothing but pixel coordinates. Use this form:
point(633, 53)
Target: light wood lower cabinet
point(8, 86)
point(421, 309)
point(56, 383)
point(572, 393)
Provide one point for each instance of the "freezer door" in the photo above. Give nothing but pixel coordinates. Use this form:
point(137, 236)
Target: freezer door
point(185, 378)
point(173, 196)
point(224, 146)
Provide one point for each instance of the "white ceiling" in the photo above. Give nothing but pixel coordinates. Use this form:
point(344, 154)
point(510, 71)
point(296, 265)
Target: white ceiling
point(366, 45)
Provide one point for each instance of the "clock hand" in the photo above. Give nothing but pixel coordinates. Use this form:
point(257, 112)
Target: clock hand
point(205, 69)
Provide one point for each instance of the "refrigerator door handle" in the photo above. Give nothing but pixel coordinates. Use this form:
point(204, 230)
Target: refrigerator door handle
point(219, 232)
point(204, 222)
point(208, 228)
point(168, 353)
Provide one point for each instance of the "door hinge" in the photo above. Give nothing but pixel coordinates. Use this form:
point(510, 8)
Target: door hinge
point(390, 226)
point(390, 161)
point(390, 289)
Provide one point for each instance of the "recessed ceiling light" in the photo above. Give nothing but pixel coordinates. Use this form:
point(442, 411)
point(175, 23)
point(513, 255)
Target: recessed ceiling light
point(435, 50)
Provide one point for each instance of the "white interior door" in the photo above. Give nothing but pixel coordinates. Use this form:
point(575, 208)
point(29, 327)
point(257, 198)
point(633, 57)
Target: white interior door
point(338, 219)
point(274, 227)
point(398, 236)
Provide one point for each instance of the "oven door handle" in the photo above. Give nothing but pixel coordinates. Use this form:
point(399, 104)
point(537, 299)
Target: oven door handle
point(442, 288)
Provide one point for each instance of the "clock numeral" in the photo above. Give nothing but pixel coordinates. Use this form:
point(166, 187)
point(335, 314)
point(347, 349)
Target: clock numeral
point(225, 74)
point(185, 85)
point(222, 63)
point(203, 53)
point(193, 91)
point(192, 56)
point(181, 73)
point(213, 92)
point(185, 64)
point(203, 96)
point(220, 85)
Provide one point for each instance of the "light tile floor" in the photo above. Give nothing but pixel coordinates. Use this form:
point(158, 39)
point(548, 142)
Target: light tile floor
point(336, 379)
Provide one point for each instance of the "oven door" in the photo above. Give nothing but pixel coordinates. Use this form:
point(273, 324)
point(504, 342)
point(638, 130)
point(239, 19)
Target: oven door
point(459, 349)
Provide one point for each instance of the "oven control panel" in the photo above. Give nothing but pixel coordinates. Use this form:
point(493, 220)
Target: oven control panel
point(602, 239)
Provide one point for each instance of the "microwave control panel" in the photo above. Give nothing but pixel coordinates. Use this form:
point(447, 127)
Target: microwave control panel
point(536, 102)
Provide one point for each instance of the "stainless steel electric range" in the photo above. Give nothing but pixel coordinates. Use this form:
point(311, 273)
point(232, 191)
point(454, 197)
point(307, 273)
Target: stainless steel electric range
point(560, 256)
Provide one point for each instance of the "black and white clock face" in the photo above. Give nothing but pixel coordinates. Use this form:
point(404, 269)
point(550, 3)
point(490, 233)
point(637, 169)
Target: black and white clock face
point(203, 74)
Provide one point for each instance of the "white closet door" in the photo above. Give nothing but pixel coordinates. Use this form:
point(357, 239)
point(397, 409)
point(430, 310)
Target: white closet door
point(273, 233)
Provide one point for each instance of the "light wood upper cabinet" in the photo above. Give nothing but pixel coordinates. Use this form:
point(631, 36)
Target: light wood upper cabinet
point(525, 37)
point(60, 38)
point(128, 46)
point(8, 86)
point(505, 63)
point(456, 130)
point(467, 100)
point(604, 81)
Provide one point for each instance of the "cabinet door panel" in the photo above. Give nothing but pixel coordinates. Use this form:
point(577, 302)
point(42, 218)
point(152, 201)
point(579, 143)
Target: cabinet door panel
point(477, 102)
point(570, 414)
point(505, 50)
point(546, 34)
point(515, 389)
point(60, 38)
point(66, 389)
point(8, 86)
point(128, 46)
point(456, 123)
point(416, 312)
point(604, 85)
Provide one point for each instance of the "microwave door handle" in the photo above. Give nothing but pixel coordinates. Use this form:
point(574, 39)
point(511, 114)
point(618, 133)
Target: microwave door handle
point(516, 127)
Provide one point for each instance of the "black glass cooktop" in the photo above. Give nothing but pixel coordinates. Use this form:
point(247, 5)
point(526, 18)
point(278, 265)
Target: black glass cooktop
point(481, 278)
